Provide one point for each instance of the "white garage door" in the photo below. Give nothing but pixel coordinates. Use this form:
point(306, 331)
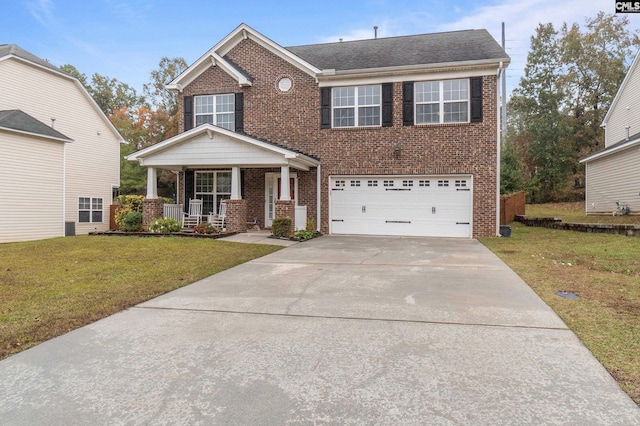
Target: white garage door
point(438, 206)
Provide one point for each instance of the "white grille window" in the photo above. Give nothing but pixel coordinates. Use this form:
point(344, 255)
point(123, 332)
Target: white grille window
point(358, 106)
point(407, 183)
point(424, 183)
point(89, 210)
point(340, 183)
point(388, 183)
point(355, 183)
point(372, 183)
point(443, 183)
point(442, 101)
point(218, 110)
point(461, 183)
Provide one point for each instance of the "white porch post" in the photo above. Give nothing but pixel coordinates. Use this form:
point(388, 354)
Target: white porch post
point(235, 183)
point(285, 193)
point(152, 183)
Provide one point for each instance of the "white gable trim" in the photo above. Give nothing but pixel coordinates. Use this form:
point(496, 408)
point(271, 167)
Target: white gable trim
point(606, 152)
point(242, 32)
point(623, 86)
point(37, 135)
point(211, 59)
point(285, 156)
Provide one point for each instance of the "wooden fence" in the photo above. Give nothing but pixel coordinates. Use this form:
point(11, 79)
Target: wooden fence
point(510, 206)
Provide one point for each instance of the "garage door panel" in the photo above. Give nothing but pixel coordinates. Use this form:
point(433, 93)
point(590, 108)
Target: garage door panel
point(400, 206)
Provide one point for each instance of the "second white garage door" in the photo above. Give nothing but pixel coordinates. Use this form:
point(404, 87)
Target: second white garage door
point(439, 206)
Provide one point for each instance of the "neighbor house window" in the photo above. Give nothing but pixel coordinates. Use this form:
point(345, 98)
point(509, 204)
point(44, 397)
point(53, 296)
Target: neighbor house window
point(356, 106)
point(439, 102)
point(212, 187)
point(218, 110)
point(89, 210)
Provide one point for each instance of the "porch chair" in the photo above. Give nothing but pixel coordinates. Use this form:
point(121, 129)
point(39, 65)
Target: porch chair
point(194, 217)
point(217, 220)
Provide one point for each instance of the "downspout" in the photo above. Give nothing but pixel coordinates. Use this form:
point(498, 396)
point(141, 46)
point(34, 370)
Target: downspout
point(500, 74)
point(318, 198)
point(64, 189)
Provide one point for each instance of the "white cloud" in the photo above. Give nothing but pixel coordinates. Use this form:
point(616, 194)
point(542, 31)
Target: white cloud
point(42, 11)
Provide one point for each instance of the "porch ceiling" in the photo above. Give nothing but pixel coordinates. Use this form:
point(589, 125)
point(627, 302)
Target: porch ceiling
point(210, 146)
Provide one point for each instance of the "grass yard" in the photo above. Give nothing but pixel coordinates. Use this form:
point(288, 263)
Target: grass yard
point(574, 213)
point(53, 286)
point(603, 269)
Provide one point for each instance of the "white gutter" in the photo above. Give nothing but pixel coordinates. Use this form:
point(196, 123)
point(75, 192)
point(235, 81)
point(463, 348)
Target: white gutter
point(500, 75)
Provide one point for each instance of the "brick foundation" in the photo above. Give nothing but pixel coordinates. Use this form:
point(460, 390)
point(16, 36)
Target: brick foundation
point(236, 220)
point(151, 209)
point(286, 209)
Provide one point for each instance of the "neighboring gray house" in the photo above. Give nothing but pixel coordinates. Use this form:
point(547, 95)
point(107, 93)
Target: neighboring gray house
point(613, 174)
point(59, 154)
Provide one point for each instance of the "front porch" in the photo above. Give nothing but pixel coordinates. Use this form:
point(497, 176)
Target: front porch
point(256, 180)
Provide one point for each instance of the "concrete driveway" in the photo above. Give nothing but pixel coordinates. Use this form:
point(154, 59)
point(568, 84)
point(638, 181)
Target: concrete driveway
point(336, 330)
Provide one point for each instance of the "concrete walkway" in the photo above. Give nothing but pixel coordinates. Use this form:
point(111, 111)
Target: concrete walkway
point(336, 330)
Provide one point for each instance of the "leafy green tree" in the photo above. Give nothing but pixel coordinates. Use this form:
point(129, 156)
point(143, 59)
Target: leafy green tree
point(554, 115)
point(168, 69)
point(538, 101)
point(111, 94)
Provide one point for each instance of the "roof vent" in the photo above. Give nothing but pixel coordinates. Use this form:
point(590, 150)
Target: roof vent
point(375, 31)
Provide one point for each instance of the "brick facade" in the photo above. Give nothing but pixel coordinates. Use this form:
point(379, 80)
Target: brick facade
point(152, 208)
point(292, 119)
point(236, 217)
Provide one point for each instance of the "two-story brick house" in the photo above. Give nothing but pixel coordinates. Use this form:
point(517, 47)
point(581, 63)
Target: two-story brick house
point(389, 136)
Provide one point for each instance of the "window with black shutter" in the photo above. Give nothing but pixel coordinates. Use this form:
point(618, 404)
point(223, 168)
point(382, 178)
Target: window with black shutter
point(188, 112)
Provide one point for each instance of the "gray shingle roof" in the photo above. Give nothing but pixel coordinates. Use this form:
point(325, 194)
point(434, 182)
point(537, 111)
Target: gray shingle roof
point(425, 49)
point(14, 49)
point(23, 122)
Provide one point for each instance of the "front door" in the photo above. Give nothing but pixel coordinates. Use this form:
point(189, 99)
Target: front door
point(272, 193)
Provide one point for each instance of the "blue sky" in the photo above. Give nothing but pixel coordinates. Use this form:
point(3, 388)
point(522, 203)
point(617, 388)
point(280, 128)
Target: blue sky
point(125, 39)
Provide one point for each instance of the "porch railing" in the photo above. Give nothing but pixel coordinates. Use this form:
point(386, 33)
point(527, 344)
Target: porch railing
point(174, 211)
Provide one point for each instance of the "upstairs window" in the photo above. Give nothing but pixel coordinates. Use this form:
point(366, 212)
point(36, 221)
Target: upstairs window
point(218, 110)
point(439, 102)
point(358, 106)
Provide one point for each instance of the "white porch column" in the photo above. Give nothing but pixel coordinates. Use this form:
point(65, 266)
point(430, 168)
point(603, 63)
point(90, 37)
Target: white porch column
point(152, 183)
point(285, 193)
point(236, 188)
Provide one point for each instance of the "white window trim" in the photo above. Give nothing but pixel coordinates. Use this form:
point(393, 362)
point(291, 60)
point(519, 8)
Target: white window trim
point(441, 102)
point(91, 210)
point(215, 112)
point(356, 107)
point(215, 192)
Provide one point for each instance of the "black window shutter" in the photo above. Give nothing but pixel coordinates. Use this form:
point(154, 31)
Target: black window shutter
point(476, 99)
point(387, 104)
point(189, 177)
point(325, 107)
point(407, 103)
point(239, 112)
point(188, 113)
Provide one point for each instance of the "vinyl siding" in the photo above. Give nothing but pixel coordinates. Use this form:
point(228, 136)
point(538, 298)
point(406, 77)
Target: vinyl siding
point(31, 170)
point(92, 159)
point(625, 112)
point(612, 178)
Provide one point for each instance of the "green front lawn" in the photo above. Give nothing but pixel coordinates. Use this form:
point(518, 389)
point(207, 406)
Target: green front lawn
point(53, 286)
point(604, 270)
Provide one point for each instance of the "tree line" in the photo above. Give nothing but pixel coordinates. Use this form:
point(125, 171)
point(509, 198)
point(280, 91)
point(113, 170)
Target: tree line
point(142, 119)
point(554, 115)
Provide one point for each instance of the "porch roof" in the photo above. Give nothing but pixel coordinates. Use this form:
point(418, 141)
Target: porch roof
point(212, 146)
